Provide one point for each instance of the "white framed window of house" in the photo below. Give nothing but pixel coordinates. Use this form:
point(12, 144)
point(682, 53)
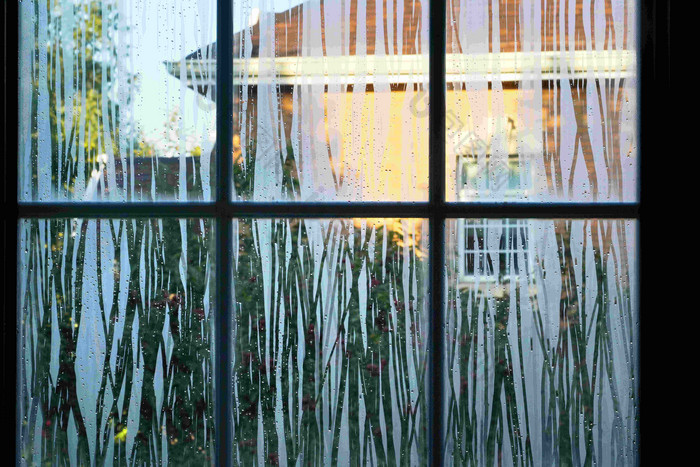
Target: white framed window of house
point(494, 250)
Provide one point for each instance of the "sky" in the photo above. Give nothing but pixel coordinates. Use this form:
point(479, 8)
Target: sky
point(167, 30)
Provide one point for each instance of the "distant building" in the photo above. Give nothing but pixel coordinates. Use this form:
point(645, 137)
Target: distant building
point(515, 101)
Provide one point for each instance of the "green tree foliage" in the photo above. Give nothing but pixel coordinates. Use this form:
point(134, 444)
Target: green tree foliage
point(73, 70)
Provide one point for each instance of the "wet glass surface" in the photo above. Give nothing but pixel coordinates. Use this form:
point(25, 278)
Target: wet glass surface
point(542, 342)
point(331, 100)
point(108, 107)
point(330, 316)
point(116, 351)
point(329, 353)
point(541, 100)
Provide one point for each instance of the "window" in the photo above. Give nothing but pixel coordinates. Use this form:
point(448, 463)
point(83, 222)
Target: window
point(495, 249)
point(315, 232)
point(482, 180)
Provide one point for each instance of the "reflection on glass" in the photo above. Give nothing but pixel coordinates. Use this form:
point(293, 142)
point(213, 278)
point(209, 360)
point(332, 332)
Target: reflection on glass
point(542, 342)
point(103, 113)
point(115, 360)
point(547, 88)
point(331, 100)
point(329, 347)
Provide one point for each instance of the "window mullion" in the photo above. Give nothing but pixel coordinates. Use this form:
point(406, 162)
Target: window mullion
point(437, 93)
point(223, 395)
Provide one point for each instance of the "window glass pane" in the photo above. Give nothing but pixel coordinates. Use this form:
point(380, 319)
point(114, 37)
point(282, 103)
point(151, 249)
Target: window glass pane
point(108, 109)
point(542, 342)
point(331, 100)
point(115, 357)
point(330, 332)
point(541, 100)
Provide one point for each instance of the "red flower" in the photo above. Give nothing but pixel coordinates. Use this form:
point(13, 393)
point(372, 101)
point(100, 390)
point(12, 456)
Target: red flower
point(263, 367)
point(199, 313)
point(308, 403)
point(373, 369)
point(247, 358)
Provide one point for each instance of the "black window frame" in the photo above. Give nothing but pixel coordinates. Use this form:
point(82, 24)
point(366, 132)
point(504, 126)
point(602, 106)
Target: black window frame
point(654, 79)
